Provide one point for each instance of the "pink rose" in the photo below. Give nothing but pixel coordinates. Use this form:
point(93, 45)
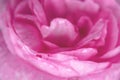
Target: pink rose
point(60, 40)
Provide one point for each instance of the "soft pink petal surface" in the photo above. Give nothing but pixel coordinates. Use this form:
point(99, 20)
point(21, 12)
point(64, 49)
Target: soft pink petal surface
point(67, 64)
point(14, 68)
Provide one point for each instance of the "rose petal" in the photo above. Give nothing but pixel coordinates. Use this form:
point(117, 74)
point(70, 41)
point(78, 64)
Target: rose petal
point(105, 3)
point(60, 32)
point(84, 25)
point(63, 69)
point(79, 8)
point(78, 5)
point(28, 33)
point(112, 34)
point(111, 73)
point(81, 54)
point(54, 8)
point(95, 33)
point(119, 33)
point(14, 68)
point(13, 3)
point(23, 9)
point(38, 10)
point(112, 53)
point(10, 65)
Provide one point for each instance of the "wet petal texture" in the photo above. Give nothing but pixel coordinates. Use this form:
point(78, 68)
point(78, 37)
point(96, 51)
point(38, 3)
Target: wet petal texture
point(60, 40)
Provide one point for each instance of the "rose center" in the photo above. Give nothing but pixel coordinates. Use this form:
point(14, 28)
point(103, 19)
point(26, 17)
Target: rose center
point(60, 32)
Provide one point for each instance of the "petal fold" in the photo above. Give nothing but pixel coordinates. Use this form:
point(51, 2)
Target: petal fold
point(60, 32)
